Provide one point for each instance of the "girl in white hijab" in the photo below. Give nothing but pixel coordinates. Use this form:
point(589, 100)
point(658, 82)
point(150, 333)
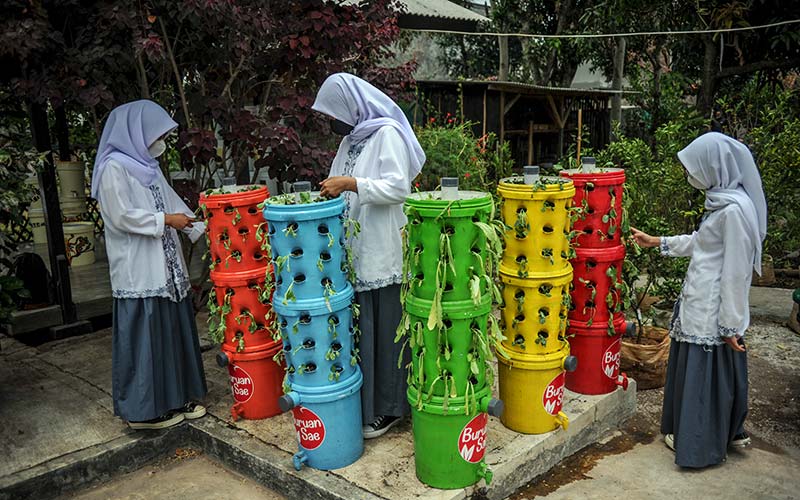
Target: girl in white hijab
point(157, 370)
point(374, 167)
point(705, 397)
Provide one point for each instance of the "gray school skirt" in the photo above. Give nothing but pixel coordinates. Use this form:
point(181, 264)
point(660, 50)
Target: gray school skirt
point(156, 361)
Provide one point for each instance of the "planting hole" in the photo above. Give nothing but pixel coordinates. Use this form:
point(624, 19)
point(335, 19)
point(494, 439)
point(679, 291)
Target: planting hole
point(447, 323)
point(271, 230)
point(548, 229)
point(284, 323)
point(305, 318)
point(299, 278)
point(243, 231)
point(230, 291)
point(279, 281)
point(448, 287)
point(337, 368)
point(522, 210)
point(258, 256)
point(521, 258)
point(218, 260)
point(228, 209)
point(519, 294)
point(336, 347)
point(310, 368)
point(343, 267)
point(589, 186)
point(252, 285)
point(333, 319)
point(420, 276)
point(260, 326)
point(571, 306)
point(588, 230)
point(590, 264)
point(519, 318)
point(326, 282)
point(590, 304)
point(519, 339)
point(590, 210)
point(543, 334)
point(292, 226)
point(287, 347)
point(325, 257)
point(297, 252)
point(475, 218)
point(290, 369)
point(449, 230)
point(308, 344)
point(322, 229)
point(223, 236)
point(252, 210)
point(473, 380)
point(544, 311)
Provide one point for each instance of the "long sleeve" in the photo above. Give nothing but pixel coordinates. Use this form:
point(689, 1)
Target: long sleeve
point(177, 205)
point(118, 209)
point(737, 271)
point(678, 246)
point(393, 185)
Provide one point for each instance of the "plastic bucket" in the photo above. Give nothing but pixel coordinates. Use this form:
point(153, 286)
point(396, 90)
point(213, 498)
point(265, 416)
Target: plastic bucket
point(245, 293)
point(234, 227)
point(450, 441)
point(256, 382)
point(79, 239)
point(308, 248)
point(38, 227)
point(74, 210)
point(532, 389)
point(72, 182)
point(600, 195)
point(463, 320)
point(318, 339)
point(432, 221)
point(534, 312)
point(539, 222)
point(327, 423)
point(598, 358)
point(595, 289)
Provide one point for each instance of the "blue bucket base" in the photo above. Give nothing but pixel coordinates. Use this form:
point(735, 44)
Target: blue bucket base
point(328, 425)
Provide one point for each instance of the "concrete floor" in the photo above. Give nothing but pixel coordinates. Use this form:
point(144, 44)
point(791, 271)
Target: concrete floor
point(194, 477)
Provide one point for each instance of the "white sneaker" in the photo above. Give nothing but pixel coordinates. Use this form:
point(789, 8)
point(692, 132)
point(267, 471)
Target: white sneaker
point(191, 410)
point(741, 440)
point(669, 440)
point(162, 422)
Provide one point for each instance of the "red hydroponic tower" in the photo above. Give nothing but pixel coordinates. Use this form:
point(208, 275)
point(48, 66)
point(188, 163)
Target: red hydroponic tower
point(240, 313)
point(596, 322)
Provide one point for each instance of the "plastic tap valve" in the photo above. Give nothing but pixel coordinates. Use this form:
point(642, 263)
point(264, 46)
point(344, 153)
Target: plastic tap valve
point(570, 363)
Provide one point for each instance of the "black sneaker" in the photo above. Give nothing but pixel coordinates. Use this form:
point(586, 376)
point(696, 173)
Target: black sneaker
point(741, 440)
point(379, 427)
point(192, 410)
point(167, 420)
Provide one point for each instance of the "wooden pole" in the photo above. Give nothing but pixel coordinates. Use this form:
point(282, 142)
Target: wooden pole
point(484, 112)
point(502, 117)
point(530, 142)
point(580, 127)
point(502, 74)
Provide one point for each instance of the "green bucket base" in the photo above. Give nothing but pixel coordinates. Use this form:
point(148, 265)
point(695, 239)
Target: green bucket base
point(449, 447)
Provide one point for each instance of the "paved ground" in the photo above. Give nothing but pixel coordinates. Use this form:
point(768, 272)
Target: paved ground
point(55, 406)
point(185, 477)
point(635, 464)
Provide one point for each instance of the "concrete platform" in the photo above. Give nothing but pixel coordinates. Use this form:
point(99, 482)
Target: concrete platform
point(59, 434)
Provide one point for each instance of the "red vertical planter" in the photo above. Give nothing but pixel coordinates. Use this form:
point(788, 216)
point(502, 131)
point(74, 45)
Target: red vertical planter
point(595, 322)
point(240, 262)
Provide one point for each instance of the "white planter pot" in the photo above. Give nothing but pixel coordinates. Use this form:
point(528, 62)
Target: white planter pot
point(74, 210)
point(79, 239)
point(72, 183)
point(36, 220)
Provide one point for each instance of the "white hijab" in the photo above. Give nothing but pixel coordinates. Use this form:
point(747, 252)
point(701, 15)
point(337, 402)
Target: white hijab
point(356, 102)
point(726, 170)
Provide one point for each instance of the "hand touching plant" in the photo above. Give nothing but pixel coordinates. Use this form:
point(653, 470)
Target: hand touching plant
point(644, 240)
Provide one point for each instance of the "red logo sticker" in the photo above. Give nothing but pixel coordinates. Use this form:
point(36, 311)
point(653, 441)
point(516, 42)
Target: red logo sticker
point(309, 427)
point(554, 395)
point(241, 384)
point(472, 440)
point(611, 359)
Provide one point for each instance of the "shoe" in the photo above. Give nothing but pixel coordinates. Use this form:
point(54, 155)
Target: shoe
point(669, 440)
point(167, 420)
point(741, 440)
point(379, 427)
point(192, 410)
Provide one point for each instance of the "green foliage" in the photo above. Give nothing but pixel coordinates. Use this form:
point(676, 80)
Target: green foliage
point(452, 150)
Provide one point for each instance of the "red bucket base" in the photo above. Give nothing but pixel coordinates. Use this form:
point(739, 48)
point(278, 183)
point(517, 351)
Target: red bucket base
point(598, 359)
point(256, 383)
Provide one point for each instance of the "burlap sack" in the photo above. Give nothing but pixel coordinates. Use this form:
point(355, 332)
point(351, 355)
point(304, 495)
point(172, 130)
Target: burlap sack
point(647, 364)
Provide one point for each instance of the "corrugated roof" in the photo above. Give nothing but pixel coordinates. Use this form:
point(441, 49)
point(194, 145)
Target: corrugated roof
point(442, 9)
point(526, 88)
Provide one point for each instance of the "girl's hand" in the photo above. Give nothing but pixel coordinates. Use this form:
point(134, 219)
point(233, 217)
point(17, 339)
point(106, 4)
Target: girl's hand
point(644, 240)
point(334, 186)
point(178, 221)
point(734, 343)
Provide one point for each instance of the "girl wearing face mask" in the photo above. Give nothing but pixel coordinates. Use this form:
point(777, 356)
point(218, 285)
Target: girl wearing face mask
point(376, 162)
point(705, 397)
point(157, 371)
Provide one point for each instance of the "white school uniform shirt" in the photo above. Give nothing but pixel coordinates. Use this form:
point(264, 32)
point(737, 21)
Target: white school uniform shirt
point(714, 300)
point(144, 255)
point(380, 165)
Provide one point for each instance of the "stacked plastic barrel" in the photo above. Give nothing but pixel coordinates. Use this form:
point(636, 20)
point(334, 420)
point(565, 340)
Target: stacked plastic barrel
point(596, 322)
point(240, 315)
point(448, 301)
point(314, 303)
point(536, 273)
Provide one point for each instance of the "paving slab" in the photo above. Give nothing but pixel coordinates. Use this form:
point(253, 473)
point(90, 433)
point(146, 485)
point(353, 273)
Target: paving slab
point(386, 469)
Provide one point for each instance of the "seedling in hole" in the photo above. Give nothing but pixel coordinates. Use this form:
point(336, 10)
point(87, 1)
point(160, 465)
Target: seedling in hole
point(336, 372)
point(541, 338)
point(545, 289)
point(235, 255)
point(291, 229)
point(548, 205)
point(519, 341)
point(246, 314)
point(289, 294)
point(543, 316)
point(328, 291)
point(334, 351)
point(236, 217)
point(522, 264)
point(519, 298)
point(354, 356)
point(547, 253)
point(521, 226)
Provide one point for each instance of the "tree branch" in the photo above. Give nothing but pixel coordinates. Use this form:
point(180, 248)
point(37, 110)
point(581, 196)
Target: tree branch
point(234, 74)
point(758, 66)
point(177, 74)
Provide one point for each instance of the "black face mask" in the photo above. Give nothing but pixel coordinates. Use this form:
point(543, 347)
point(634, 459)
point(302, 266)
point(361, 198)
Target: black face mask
point(341, 128)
